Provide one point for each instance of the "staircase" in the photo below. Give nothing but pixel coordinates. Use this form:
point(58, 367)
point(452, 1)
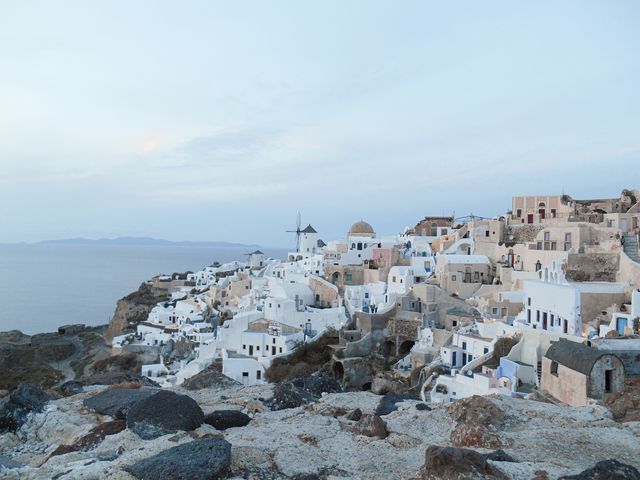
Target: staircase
point(631, 247)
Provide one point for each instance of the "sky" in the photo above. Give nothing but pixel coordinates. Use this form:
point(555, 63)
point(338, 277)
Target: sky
point(206, 120)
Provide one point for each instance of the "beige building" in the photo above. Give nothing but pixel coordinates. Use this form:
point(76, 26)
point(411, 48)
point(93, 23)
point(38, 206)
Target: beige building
point(575, 373)
point(463, 275)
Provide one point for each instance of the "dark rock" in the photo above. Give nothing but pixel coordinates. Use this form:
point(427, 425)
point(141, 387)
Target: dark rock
point(287, 395)
point(423, 407)
point(198, 460)
point(450, 463)
point(92, 439)
point(371, 426)
point(355, 415)
point(116, 402)
point(72, 387)
point(388, 402)
point(606, 470)
point(317, 384)
point(162, 413)
point(115, 377)
point(208, 378)
point(500, 456)
point(223, 419)
point(23, 400)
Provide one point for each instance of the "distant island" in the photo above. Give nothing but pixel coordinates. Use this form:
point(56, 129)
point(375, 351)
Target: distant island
point(144, 241)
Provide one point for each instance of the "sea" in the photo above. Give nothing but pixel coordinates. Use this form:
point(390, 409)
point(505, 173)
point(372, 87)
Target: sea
point(44, 286)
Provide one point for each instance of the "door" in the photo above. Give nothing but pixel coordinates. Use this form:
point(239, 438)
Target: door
point(454, 358)
point(566, 326)
point(621, 323)
point(464, 359)
point(250, 349)
point(544, 320)
point(273, 350)
point(530, 218)
point(541, 213)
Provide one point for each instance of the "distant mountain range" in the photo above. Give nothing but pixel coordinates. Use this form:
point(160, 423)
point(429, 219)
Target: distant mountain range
point(146, 241)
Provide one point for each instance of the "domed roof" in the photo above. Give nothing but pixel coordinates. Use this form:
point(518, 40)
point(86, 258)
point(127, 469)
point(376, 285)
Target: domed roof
point(361, 228)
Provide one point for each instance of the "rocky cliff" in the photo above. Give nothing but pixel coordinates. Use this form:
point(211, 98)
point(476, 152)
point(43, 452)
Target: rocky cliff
point(135, 308)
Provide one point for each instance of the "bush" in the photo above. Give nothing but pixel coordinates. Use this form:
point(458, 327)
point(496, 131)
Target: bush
point(125, 362)
point(304, 360)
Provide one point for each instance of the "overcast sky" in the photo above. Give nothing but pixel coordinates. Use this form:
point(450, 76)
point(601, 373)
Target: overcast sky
point(220, 120)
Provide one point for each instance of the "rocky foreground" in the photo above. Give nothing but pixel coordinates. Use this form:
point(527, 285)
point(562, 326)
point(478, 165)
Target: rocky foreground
point(297, 430)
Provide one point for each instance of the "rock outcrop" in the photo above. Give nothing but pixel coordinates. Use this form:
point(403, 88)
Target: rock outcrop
point(23, 400)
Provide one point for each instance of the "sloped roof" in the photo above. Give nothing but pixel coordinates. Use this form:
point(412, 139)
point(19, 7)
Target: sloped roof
point(321, 244)
point(574, 355)
point(309, 229)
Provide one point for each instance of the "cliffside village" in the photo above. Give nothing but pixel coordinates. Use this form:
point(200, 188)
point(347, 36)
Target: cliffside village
point(545, 298)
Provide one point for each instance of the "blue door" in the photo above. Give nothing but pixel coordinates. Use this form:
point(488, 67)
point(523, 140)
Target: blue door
point(453, 358)
point(621, 323)
point(464, 359)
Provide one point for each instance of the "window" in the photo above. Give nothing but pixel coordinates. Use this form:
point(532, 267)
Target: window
point(348, 277)
point(547, 236)
point(453, 278)
point(445, 231)
point(258, 374)
point(476, 276)
point(554, 245)
point(257, 347)
point(393, 279)
point(280, 349)
point(274, 340)
point(529, 301)
point(553, 213)
point(567, 242)
point(486, 350)
point(519, 213)
point(554, 368)
point(464, 345)
point(486, 233)
point(244, 347)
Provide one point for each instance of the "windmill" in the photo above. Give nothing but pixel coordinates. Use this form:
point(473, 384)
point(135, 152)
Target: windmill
point(297, 231)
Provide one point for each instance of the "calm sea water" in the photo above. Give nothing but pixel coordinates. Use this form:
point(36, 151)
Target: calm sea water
point(45, 286)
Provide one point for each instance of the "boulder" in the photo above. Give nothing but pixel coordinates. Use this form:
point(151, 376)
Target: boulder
point(116, 402)
point(450, 463)
point(162, 413)
point(287, 395)
point(371, 426)
point(208, 378)
point(207, 459)
point(223, 419)
point(423, 407)
point(23, 400)
point(606, 470)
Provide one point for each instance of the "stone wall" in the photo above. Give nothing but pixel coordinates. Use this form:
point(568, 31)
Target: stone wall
point(597, 377)
point(592, 267)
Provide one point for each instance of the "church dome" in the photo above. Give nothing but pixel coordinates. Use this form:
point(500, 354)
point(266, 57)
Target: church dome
point(361, 229)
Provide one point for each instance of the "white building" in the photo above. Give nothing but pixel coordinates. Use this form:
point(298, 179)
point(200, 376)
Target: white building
point(552, 303)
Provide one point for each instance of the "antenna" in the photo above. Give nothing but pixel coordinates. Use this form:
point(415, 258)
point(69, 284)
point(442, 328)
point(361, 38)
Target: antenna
point(297, 231)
